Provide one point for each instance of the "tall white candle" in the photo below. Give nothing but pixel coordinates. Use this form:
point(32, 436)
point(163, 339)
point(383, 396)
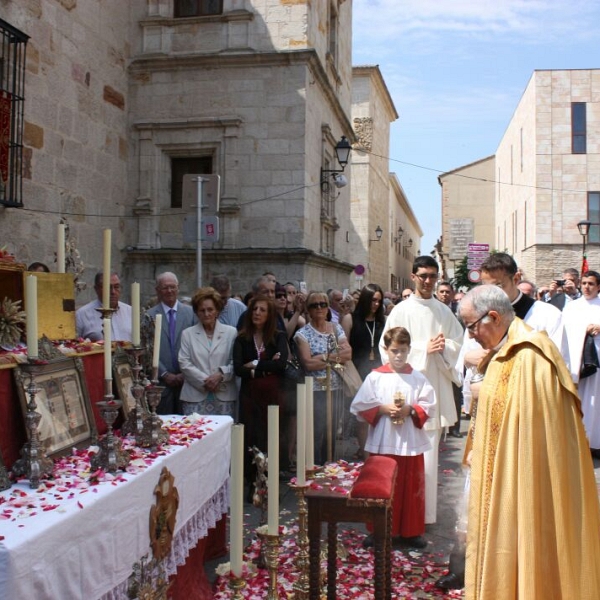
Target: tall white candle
point(135, 313)
point(310, 424)
point(301, 435)
point(31, 314)
point(107, 350)
point(236, 508)
point(157, 332)
point(60, 249)
point(106, 269)
point(273, 466)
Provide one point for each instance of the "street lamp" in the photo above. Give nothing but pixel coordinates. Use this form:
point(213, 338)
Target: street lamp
point(342, 154)
point(398, 237)
point(378, 233)
point(584, 229)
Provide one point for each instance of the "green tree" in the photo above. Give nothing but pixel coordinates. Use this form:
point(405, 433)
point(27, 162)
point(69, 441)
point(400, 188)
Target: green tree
point(461, 275)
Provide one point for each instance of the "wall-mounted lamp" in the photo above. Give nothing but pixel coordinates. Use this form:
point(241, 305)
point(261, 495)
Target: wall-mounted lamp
point(398, 236)
point(342, 154)
point(409, 243)
point(378, 233)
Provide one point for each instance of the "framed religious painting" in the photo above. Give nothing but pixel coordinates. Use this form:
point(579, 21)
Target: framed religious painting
point(124, 380)
point(62, 400)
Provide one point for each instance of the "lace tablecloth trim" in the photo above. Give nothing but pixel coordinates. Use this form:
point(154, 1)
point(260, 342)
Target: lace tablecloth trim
point(186, 538)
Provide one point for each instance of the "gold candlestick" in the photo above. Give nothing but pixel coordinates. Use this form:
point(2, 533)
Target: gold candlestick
point(301, 587)
point(400, 401)
point(237, 584)
point(272, 560)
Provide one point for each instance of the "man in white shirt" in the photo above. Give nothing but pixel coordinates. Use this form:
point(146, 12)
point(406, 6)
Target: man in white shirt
point(335, 305)
point(88, 318)
point(436, 339)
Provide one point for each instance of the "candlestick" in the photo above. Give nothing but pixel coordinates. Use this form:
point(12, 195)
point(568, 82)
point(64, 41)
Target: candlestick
point(60, 249)
point(156, 348)
point(31, 314)
point(236, 510)
point(135, 313)
point(107, 349)
point(106, 269)
point(310, 424)
point(301, 435)
point(273, 467)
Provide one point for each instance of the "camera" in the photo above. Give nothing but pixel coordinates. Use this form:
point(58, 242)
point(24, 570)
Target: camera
point(560, 282)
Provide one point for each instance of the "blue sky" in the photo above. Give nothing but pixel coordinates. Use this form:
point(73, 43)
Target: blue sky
point(456, 70)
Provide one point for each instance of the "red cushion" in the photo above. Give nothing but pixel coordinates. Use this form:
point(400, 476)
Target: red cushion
point(376, 478)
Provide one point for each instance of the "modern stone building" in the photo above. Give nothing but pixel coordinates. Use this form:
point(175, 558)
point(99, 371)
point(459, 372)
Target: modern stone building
point(123, 99)
point(547, 176)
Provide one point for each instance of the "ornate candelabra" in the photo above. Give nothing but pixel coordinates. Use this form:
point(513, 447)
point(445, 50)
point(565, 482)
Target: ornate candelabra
point(33, 464)
point(134, 423)
point(237, 584)
point(111, 455)
point(152, 434)
point(301, 587)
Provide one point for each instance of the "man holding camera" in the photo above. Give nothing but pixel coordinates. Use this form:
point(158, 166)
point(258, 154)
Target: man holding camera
point(570, 289)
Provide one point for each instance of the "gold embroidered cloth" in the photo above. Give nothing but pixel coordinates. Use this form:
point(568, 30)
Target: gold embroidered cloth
point(534, 520)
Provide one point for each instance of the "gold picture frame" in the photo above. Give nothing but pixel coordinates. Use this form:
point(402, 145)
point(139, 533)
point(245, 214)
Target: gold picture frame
point(67, 419)
point(124, 380)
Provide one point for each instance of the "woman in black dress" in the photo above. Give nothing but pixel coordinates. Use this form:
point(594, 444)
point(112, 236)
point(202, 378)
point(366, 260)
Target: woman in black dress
point(363, 329)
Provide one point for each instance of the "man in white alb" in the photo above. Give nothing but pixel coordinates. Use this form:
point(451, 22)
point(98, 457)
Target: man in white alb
point(436, 339)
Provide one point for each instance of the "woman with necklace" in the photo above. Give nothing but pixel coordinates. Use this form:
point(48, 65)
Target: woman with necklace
point(206, 360)
point(318, 343)
point(363, 328)
point(259, 358)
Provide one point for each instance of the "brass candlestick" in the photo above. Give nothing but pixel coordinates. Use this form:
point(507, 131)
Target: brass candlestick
point(301, 587)
point(111, 455)
point(272, 561)
point(237, 584)
point(33, 464)
point(134, 423)
point(152, 434)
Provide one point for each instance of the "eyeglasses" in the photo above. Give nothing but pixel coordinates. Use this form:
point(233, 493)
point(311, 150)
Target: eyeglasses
point(426, 276)
point(318, 305)
point(473, 325)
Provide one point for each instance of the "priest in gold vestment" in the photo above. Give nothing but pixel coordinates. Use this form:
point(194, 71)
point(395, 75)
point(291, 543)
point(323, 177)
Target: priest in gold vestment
point(534, 519)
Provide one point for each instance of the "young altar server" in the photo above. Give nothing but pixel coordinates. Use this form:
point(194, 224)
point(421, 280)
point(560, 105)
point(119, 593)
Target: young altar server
point(395, 400)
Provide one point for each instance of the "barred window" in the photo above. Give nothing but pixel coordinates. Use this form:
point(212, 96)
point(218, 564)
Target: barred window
point(12, 100)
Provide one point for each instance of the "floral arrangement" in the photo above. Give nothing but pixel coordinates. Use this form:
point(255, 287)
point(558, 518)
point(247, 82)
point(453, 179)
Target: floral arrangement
point(11, 320)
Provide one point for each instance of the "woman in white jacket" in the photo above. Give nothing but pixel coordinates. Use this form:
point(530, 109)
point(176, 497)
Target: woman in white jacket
point(206, 360)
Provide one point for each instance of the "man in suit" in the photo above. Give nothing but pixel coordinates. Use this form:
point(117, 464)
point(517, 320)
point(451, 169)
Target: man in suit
point(176, 318)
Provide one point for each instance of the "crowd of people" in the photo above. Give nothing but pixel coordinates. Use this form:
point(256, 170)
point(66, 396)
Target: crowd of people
point(519, 360)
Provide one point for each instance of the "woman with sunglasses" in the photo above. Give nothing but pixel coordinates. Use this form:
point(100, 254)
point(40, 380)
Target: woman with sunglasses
point(320, 342)
point(364, 328)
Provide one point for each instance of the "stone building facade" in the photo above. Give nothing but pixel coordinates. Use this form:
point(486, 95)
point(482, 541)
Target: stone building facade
point(546, 178)
point(123, 99)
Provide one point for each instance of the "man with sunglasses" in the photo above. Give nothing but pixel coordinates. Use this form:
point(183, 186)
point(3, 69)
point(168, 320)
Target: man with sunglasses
point(436, 339)
point(533, 508)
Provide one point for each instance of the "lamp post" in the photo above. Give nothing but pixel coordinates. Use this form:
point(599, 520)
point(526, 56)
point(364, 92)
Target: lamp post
point(584, 229)
point(342, 154)
point(378, 233)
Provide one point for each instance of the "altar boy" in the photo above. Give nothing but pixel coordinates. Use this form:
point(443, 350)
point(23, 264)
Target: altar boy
point(395, 401)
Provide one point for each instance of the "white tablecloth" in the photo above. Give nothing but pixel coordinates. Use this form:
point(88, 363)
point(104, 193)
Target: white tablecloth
point(86, 548)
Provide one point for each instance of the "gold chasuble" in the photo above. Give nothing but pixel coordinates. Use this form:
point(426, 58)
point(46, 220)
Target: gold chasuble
point(534, 520)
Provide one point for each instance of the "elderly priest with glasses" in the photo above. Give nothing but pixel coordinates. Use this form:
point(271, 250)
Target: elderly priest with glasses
point(534, 521)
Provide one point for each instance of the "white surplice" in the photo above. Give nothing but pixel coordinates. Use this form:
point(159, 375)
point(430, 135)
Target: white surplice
point(577, 315)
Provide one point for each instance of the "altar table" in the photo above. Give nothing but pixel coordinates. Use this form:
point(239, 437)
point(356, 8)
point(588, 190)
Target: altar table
point(85, 547)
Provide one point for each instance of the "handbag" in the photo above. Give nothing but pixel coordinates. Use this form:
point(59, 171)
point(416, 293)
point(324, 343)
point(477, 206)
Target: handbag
point(294, 373)
point(351, 380)
point(589, 358)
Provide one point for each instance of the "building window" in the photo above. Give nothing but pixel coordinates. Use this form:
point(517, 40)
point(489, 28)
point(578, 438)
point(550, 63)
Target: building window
point(594, 217)
point(13, 44)
point(198, 8)
point(201, 165)
point(578, 127)
point(333, 34)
